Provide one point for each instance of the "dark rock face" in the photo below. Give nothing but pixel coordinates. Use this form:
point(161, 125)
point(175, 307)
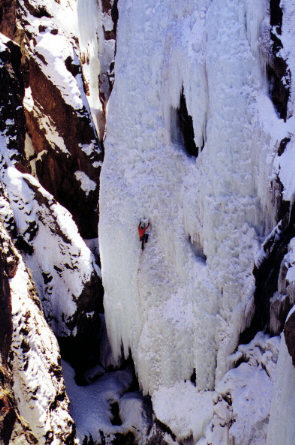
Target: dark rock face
point(110, 7)
point(82, 350)
point(267, 277)
point(12, 119)
point(289, 332)
point(7, 18)
point(273, 296)
point(182, 129)
point(78, 328)
point(8, 265)
point(56, 169)
point(277, 71)
point(23, 349)
point(27, 209)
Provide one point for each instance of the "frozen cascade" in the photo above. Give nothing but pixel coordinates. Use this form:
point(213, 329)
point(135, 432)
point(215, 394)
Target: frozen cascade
point(176, 308)
point(88, 16)
point(97, 54)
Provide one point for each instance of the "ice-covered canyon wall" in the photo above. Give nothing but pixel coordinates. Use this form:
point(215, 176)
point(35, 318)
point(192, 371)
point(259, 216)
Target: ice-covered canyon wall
point(222, 72)
point(187, 297)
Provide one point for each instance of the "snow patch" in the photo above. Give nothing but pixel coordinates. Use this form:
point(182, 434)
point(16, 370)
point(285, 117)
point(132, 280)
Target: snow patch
point(91, 406)
point(184, 409)
point(87, 185)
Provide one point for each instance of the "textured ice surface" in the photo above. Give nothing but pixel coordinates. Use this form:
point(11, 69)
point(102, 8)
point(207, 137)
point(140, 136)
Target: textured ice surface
point(97, 53)
point(281, 430)
point(182, 302)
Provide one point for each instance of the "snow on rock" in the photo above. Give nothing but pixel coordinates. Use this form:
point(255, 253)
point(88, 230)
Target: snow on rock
point(35, 361)
point(62, 266)
point(274, 294)
point(37, 392)
point(60, 129)
point(86, 183)
point(184, 409)
point(284, 298)
point(12, 126)
point(12, 426)
point(244, 395)
point(289, 332)
point(208, 212)
point(286, 174)
point(103, 411)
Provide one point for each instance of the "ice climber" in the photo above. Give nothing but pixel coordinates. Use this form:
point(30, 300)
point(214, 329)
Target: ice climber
point(142, 228)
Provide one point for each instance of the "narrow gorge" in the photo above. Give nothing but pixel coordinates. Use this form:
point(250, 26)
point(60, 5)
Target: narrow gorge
point(147, 256)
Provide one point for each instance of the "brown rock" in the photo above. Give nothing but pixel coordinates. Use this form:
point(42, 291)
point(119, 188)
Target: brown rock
point(56, 169)
point(8, 18)
point(289, 332)
point(5, 300)
point(11, 424)
point(12, 119)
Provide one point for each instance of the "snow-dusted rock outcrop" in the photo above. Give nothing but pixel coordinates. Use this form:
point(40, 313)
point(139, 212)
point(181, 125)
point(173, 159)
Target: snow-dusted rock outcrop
point(62, 266)
point(30, 360)
point(12, 425)
point(61, 141)
point(66, 277)
point(35, 362)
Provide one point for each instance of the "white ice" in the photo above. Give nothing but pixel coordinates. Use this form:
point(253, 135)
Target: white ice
point(281, 430)
point(182, 302)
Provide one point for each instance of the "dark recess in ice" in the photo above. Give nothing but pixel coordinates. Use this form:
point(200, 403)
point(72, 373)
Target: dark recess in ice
point(185, 123)
point(182, 129)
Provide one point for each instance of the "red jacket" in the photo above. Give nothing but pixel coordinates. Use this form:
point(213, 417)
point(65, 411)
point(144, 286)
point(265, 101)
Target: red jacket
point(141, 231)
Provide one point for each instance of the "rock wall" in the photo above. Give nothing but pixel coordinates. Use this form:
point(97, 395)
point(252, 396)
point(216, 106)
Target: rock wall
point(61, 142)
point(66, 277)
point(34, 405)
